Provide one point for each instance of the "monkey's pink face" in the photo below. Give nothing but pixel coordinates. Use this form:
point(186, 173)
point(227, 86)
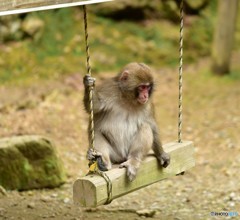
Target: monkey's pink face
point(144, 92)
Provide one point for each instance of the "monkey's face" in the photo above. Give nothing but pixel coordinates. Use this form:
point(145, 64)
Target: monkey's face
point(143, 93)
point(136, 83)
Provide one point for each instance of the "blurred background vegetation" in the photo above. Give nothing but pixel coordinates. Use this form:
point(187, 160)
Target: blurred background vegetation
point(50, 44)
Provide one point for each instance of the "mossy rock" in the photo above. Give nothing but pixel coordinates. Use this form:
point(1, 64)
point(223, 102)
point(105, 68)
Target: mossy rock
point(129, 10)
point(29, 162)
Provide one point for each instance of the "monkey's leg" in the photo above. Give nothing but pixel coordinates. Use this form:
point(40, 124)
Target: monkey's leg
point(162, 157)
point(102, 146)
point(140, 147)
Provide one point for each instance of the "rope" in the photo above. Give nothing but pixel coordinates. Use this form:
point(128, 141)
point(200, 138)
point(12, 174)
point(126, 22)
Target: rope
point(94, 162)
point(108, 181)
point(180, 75)
point(109, 186)
point(91, 116)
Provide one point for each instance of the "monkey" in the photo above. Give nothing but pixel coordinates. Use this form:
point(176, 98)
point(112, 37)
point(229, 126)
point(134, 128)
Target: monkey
point(125, 124)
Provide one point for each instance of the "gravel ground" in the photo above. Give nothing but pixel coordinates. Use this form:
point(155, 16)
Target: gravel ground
point(211, 119)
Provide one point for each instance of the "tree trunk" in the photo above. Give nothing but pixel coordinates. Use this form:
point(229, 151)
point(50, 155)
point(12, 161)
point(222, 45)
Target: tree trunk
point(224, 36)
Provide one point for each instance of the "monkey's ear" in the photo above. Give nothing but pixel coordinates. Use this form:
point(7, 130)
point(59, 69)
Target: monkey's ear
point(124, 76)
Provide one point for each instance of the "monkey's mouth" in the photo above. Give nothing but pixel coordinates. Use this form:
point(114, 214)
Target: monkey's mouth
point(142, 101)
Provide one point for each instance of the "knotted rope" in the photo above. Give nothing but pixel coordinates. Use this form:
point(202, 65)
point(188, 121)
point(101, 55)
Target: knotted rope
point(94, 166)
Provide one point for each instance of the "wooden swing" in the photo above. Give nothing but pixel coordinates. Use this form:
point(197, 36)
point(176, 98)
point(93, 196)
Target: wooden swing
point(98, 187)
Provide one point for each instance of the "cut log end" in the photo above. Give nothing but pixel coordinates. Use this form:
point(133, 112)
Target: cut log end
point(91, 191)
point(83, 191)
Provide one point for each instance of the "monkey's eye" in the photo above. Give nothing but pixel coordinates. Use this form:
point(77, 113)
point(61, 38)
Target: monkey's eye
point(144, 87)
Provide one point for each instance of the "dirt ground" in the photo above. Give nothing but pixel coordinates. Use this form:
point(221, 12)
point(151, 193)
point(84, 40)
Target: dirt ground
point(211, 119)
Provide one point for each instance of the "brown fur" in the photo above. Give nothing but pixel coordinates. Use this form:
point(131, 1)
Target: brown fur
point(125, 130)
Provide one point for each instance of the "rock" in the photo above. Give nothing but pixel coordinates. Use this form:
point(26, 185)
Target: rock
point(30, 193)
point(66, 200)
point(3, 191)
point(10, 28)
point(146, 212)
point(16, 27)
point(54, 195)
point(131, 10)
point(45, 199)
point(31, 205)
point(29, 162)
point(231, 204)
point(33, 27)
point(138, 10)
point(232, 196)
point(186, 200)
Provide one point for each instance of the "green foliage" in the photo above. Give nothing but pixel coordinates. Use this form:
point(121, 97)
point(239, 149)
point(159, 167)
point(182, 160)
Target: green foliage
point(58, 32)
point(199, 37)
point(233, 76)
point(61, 48)
point(124, 42)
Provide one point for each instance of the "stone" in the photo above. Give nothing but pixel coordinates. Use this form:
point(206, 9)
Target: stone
point(131, 10)
point(31, 205)
point(10, 28)
point(146, 212)
point(138, 10)
point(29, 162)
point(66, 200)
point(33, 26)
point(3, 191)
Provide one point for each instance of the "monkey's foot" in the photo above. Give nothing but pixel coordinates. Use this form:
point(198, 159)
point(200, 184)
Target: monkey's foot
point(101, 165)
point(164, 159)
point(88, 80)
point(131, 170)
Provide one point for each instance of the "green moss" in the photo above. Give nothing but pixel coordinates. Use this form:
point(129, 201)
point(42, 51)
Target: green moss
point(29, 162)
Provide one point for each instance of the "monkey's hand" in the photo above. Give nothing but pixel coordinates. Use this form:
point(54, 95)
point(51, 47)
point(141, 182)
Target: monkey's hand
point(164, 159)
point(88, 81)
point(93, 155)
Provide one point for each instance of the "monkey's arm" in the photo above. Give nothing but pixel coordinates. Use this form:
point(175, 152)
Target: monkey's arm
point(89, 82)
point(163, 158)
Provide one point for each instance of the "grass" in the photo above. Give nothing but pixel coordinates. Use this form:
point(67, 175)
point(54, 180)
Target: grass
point(61, 48)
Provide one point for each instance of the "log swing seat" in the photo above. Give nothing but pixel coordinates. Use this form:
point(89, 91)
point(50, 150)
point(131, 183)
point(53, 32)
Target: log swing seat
point(92, 190)
point(99, 187)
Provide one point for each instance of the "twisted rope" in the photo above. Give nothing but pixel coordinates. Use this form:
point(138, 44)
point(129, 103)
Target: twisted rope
point(91, 116)
point(89, 71)
point(180, 97)
point(109, 186)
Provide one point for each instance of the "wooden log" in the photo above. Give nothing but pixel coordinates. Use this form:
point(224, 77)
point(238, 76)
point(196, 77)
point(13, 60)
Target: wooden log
point(8, 7)
point(91, 191)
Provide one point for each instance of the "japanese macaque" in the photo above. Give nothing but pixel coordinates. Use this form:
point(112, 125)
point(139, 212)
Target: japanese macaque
point(125, 125)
